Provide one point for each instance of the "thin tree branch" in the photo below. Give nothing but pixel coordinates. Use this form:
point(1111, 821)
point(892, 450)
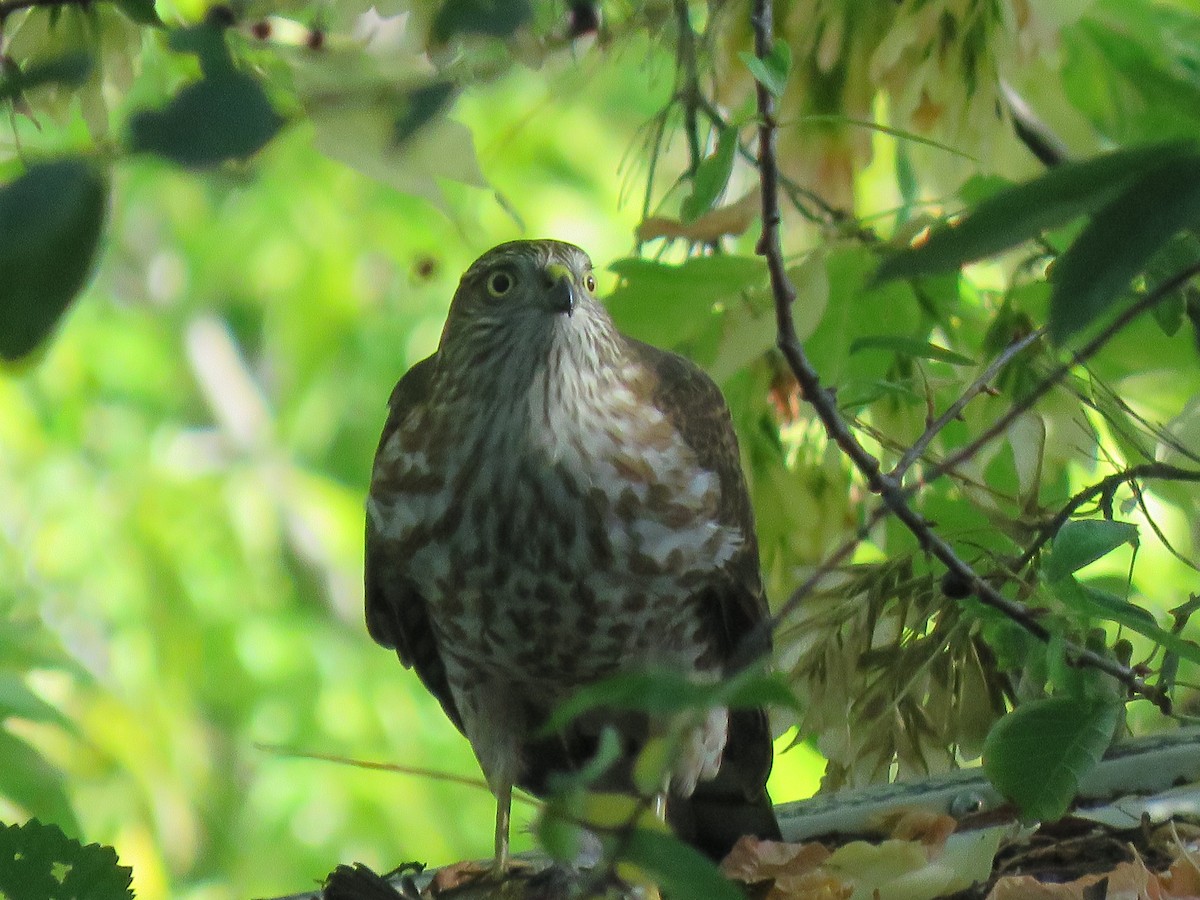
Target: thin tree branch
point(823, 403)
point(1086, 352)
point(689, 93)
point(1105, 487)
point(955, 409)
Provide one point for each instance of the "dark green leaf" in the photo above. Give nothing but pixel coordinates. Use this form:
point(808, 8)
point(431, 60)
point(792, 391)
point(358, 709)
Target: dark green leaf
point(1023, 211)
point(1037, 753)
point(490, 18)
point(33, 783)
point(1103, 605)
point(420, 106)
point(659, 692)
point(39, 862)
point(911, 347)
point(680, 870)
point(50, 221)
point(70, 70)
point(773, 69)
point(711, 177)
point(1083, 541)
point(140, 11)
point(208, 122)
point(662, 692)
point(206, 41)
point(18, 701)
point(1119, 243)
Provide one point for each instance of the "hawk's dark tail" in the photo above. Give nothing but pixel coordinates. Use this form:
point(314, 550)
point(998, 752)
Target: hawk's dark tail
point(736, 802)
point(713, 824)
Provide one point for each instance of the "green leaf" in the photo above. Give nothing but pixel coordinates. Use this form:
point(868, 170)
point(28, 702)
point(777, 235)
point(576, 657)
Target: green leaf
point(140, 11)
point(1036, 755)
point(680, 870)
point(490, 18)
point(1023, 211)
point(667, 304)
point(50, 222)
point(1120, 242)
point(70, 69)
point(39, 862)
point(420, 105)
point(771, 70)
point(16, 700)
point(661, 692)
point(658, 692)
point(33, 783)
point(222, 117)
point(711, 177)
point(1103, 605)
point(1083, 541)
point(911, 347)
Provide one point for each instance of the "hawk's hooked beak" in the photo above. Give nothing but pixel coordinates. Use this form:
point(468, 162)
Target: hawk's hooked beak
point(560, 288)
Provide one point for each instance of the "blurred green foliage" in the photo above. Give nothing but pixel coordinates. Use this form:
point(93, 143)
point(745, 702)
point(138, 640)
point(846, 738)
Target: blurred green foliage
point(183, 461)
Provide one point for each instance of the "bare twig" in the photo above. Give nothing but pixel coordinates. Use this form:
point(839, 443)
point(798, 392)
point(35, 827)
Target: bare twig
point(955, 409)
point(689, 92)
point(823, 403)
point(1086, 352)
point(1105, 487)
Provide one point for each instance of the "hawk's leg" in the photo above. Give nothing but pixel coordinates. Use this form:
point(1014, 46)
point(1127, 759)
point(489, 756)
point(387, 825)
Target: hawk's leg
point(503, 812)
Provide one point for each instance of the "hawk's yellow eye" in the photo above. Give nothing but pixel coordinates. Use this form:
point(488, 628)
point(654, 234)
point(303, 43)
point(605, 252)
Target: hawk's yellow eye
point(499, 283)
point(589, 282)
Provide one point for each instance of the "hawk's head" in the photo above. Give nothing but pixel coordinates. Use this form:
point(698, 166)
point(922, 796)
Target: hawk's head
point(519, 301)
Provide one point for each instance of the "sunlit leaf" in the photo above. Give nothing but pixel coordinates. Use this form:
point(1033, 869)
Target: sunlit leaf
point(771, 70)
point(1023, 211)
point(1036, 755)
point(50, 223)
point(210, 121)
point(1083, 541)
point(711, 177)
point(1120, 241)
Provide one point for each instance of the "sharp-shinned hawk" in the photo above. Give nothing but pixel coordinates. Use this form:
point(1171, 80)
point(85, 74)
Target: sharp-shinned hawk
point(554, 503)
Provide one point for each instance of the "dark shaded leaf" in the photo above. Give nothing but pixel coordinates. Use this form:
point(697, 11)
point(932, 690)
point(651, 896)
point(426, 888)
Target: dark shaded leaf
point(50, 222)
point(34, 784)
point(140, 11)
point(773, 69)
point(1037, 753)
point(1083, 541)
point(208, 122)
point(490, 18)
point(1120, 242)
point(420, 106)
point(39, 862)
point(71, 70)
point(206, 41)
point(711, 177)
point(1103, 605)
point(680, 870)
point(911, 347)
point(1023, 211)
